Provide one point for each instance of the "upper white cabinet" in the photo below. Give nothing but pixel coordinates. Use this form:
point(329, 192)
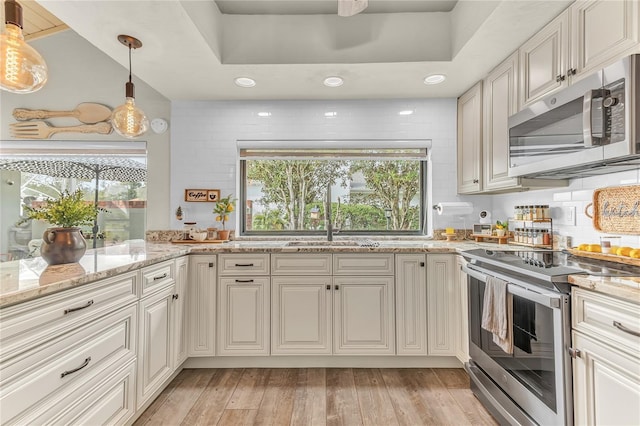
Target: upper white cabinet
point(587, 36)
point(201, 302)
point(470, 140)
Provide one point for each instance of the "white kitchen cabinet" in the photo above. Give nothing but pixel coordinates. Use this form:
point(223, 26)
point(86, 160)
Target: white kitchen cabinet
point(411, 304)
point(155, 347)
point(462, 304)
point(469, 143)
point(180, 336)
point(587, 36)
point(244, 316)
point(606, 366)
point(363, 316)
point(201, 303)
point(301, 315)
point(544, 61)
point(301, 264)
point(363, 264)
point(441, 304)
point(602, 31)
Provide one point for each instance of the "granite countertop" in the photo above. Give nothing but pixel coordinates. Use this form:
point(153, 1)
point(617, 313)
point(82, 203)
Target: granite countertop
point(32, 278)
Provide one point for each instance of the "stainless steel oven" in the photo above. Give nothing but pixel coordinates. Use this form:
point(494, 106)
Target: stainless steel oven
point(533, 384)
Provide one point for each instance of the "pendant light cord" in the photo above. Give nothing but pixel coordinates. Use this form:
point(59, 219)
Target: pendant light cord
point(129, 62)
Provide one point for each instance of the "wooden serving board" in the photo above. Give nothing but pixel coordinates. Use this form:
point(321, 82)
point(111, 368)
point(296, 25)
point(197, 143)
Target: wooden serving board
point(481, 237)
point(603, 256)
point(198, 242)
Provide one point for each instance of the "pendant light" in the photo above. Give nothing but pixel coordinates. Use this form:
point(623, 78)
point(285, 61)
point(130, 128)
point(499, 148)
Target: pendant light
point(22, 69)
point(127, 119)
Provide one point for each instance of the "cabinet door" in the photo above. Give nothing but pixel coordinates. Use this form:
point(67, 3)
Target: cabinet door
point(180, 337)
point(470, 140)
point(243, 326)
point(411, 304)
point(543, 61)
point(461, 297)
point(606, 384)
point(363, 315)
point(155, 347)
point(500, 101)
point(201, 300)
point(441, 304)
point(602, 31)
point(301, 315)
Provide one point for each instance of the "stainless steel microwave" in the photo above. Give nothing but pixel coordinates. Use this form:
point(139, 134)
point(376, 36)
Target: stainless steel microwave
point(589, 128)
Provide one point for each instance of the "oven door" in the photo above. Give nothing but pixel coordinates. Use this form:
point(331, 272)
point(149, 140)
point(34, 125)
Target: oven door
point(537, 376)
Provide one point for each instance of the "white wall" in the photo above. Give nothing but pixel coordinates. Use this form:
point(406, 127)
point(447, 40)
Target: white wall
point(578, 194)
point(78, 72)
point(204, 134)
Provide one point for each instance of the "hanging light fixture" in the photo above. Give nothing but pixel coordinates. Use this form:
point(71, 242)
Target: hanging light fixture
point(127, 119)
point(22, 69)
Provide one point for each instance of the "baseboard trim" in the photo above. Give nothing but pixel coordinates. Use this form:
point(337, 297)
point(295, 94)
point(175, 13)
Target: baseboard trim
point(325, 361)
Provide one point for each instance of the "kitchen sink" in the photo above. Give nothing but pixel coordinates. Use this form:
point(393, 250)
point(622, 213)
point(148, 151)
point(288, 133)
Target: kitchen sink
point(339, 243)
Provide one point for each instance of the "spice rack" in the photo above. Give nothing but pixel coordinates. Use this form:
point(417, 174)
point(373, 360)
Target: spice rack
point(531, 233)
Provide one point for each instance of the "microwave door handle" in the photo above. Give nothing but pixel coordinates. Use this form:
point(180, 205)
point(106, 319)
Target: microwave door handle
point(587, 125)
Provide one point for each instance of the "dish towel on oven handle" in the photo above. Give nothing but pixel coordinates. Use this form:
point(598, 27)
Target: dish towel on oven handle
point(497, 313)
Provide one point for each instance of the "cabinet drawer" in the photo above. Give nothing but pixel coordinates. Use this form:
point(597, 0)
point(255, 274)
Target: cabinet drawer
point(40, 320)
point(363, 264)
point(615, 321)
point(243, 264)
point(301, 264)
point(107, 398)
point(156, 277)
point(65, 362)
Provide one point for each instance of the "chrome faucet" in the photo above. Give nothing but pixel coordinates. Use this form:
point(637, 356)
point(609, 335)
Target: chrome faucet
point(327, 212)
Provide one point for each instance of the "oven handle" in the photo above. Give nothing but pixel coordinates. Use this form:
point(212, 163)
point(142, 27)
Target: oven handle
point(549, 300)
point(589, 139)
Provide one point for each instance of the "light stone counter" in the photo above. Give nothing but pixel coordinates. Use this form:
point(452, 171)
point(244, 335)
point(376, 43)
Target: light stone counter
point(627, 288)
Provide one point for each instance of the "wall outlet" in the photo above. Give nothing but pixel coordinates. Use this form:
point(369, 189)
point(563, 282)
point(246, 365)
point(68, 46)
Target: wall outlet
point(567, 216)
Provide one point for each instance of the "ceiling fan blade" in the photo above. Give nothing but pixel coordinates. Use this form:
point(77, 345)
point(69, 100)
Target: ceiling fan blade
point(351, 7)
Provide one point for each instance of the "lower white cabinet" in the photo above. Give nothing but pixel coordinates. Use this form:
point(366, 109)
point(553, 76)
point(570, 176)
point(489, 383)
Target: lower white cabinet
point(411, 304)
point(606, 369)
point(155, 347)
point(201, 303)
point(461, 302)
point(243, 316)
point(301, 315)
point(363, 316)
point(180, 335)
point(441, 304)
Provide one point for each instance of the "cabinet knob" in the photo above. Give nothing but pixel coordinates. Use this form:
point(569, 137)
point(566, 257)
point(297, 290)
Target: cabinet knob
point(476, 181)
point(572, 71)
point(175, 296)
point(337, 287)
point(422, 264)
point(328, 286)
point(560, 78)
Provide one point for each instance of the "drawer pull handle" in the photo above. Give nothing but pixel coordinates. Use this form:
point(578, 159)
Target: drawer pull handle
point(244, 264)
point(159, 277)
point(84, 364)
point(244, 281)
point(68, 311)
point(621, 327)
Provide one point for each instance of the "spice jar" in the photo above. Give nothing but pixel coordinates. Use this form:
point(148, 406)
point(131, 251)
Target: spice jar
point(518, 213)
point(546, 238)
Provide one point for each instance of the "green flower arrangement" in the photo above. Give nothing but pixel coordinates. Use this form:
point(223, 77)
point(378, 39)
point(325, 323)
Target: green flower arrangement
point(223, 207)
point(502, 225)
point(68, 211)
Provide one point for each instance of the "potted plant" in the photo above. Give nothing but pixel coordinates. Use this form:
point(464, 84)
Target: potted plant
point(223, 207)
point(64, 243)
point(501, 228)
point(179, 213)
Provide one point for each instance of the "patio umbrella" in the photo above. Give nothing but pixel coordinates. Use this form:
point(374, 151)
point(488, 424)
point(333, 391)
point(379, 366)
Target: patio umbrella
point(111, 168)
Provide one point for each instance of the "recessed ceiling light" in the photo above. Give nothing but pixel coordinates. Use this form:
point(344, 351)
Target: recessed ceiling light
point(245, 82)
point(434, 79)
point(264, 114)
point(334, 81)
point(406, 112)
point(330, 114)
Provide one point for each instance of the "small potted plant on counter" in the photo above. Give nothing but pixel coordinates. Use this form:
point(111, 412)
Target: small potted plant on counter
point(223, 207)
point(64, 243)
point(501, 228)
point(179, 213)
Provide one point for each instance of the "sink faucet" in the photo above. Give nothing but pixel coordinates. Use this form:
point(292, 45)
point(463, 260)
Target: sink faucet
point(327, 211)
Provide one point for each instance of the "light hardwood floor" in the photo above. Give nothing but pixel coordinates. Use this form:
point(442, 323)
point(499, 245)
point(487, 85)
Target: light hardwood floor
point(318, 396)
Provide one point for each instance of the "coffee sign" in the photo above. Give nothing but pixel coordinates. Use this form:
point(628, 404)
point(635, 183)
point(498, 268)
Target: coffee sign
point(201, 195)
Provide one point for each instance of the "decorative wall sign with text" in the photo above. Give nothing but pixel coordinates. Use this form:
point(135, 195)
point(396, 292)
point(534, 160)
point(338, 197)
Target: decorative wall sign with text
point(616, 209)
point(202, 195)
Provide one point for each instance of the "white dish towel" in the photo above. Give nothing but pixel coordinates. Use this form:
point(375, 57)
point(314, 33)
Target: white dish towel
point(497, 313)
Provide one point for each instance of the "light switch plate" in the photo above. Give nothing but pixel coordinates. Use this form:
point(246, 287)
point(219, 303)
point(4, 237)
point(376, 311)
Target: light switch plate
point(567, 216)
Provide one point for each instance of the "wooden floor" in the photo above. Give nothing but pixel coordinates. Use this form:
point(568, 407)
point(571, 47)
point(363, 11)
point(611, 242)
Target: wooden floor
point(318, 396)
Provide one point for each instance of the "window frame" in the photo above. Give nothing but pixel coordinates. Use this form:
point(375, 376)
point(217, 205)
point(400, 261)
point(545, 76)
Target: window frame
point(423, 195)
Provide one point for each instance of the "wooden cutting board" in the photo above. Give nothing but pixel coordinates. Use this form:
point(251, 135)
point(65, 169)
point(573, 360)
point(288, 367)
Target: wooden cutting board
point(604, 256)
point(198, 242)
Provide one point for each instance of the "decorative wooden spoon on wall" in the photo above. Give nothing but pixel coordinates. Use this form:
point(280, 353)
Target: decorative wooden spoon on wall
point(88, 113)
